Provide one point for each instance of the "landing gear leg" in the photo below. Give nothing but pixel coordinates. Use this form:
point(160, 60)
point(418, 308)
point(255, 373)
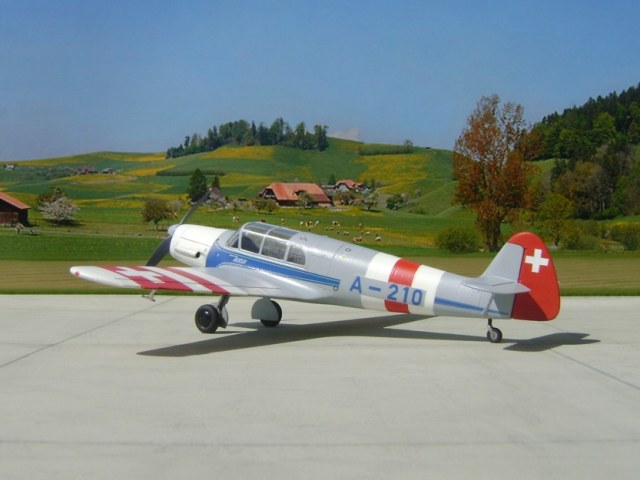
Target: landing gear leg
point(224, 316)
point(494, 335)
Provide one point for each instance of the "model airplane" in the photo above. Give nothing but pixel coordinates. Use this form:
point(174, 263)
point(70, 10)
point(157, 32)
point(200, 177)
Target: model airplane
point(274, 262)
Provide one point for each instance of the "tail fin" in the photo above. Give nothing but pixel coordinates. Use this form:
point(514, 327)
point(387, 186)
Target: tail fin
point(523, 268)
point(537, 272)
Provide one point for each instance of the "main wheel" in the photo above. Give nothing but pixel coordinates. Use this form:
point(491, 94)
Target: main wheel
point(494, 335)
point(273, 323)
point(207, 318)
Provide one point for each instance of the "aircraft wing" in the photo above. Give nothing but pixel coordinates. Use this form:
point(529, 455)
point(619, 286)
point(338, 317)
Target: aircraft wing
point(199, 280)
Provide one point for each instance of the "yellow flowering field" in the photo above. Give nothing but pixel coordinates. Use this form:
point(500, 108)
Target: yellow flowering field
point(149, 171)
point(98, 179)
point(151, 157)
point(400, 171)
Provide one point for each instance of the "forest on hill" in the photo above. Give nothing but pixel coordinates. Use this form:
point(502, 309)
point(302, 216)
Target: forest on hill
point(243, 133)
point(596, 156)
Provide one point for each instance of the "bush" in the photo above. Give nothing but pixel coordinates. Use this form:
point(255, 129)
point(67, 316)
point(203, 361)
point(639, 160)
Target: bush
point(458, 240)
point(395, 201)
point(583, 242)
point(628, 234)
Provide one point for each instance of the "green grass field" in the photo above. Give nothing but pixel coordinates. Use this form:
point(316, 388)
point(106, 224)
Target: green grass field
point(40, 263)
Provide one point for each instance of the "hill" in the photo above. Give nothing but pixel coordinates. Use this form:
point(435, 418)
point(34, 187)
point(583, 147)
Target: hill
point(129, 179)
point(111, 202)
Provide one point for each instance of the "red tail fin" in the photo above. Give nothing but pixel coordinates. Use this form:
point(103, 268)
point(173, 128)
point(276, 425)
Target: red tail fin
point(539, 274)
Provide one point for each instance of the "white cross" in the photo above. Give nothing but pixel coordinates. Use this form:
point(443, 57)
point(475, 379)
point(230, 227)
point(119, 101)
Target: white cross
point(536, 261)
point(146, 274)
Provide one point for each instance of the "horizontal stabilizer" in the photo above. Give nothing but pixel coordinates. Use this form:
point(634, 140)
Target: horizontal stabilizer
point(496, 285)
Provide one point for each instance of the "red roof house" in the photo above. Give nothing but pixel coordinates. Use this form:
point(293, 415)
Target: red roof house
point(13, 210)
point(347, 185)
point(287, 194)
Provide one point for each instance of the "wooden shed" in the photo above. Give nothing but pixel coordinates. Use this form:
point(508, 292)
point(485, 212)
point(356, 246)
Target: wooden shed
point(13, 211)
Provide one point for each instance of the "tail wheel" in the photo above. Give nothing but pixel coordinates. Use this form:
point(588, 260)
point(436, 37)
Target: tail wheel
point(494, 335)
point(273, 323)
point(207, 318)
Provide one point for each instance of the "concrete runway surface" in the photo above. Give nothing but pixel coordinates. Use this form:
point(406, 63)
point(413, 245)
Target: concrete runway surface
point(120, 387)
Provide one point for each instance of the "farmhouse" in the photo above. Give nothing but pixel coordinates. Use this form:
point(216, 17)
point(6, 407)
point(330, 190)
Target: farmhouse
point(13, 211)
point(287, 194)
point(347, 185)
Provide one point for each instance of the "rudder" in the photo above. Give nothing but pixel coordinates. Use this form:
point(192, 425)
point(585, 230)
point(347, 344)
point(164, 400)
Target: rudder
point(538, 273)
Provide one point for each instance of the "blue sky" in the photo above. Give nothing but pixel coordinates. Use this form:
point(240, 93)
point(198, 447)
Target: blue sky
point(79, 76)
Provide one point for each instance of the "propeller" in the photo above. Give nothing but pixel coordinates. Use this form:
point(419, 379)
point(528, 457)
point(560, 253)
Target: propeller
point(163, 248)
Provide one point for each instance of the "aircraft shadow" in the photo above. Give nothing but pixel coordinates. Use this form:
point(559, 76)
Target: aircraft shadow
point(553, 340)
point(287, 333)
point(377, 327)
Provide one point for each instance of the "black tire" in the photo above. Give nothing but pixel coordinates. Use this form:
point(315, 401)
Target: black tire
point(494, 335)
point(273, 323)
point(207, 318)
point(270, 323)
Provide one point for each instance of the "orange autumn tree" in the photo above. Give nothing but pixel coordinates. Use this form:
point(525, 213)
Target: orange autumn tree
point(491, 161)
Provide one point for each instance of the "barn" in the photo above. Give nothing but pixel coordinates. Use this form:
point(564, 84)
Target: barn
point(13, 211)
point(286, 194)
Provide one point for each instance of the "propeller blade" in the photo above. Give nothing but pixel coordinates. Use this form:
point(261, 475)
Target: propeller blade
point(159, 253)
point(195, 206)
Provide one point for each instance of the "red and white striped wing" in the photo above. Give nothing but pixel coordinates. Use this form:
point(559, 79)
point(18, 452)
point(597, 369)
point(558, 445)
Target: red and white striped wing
point(156, 278)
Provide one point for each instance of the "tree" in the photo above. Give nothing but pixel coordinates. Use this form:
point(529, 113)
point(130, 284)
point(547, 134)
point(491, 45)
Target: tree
point(321, 140)
point(303, 201)
point(627, 195)
point(300, 137)
point(58, 208)
point(604, 128)
point(371, 200)
point(585, 186)
point(268, 205)
point(278, 131)
point(156, 210)
point(197, 185)
point(50, 196)
point(395, 201)
point(555, 216)
point(490, 162)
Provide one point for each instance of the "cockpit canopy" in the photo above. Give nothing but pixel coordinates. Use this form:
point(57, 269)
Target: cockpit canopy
point(269, 241)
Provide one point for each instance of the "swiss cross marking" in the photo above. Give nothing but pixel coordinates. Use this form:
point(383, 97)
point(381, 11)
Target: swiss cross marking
point(146, 274)
point(536, 261)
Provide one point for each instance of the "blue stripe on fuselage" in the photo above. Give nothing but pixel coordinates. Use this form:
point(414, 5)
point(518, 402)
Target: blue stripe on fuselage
point(219, 257)
point(464, 306)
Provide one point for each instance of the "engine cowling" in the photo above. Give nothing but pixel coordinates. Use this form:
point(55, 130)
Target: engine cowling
point(190, 244)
